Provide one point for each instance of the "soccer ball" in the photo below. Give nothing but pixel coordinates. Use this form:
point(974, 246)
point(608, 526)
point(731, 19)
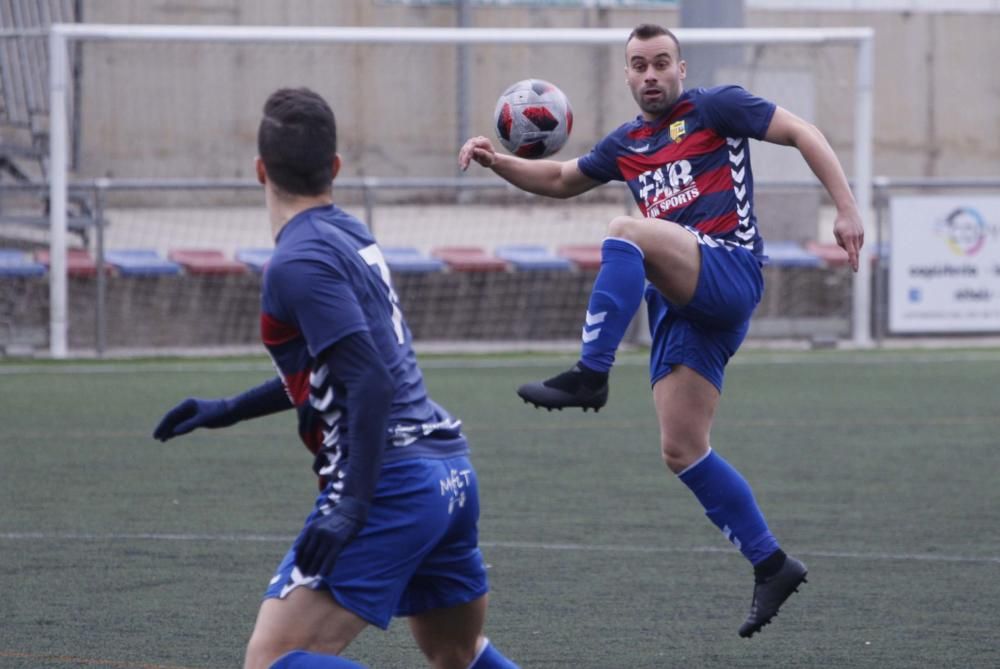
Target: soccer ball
point(533, 118)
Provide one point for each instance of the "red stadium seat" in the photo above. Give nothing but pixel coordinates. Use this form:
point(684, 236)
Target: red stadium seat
point(79, 263)
point(584, 256)
point(469, 259)
point(205, 261)
point(831, 254)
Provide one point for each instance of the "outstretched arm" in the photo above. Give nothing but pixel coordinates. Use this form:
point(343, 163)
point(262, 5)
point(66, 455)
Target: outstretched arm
point(788, 129)
point(267, 398)
point(551, 178)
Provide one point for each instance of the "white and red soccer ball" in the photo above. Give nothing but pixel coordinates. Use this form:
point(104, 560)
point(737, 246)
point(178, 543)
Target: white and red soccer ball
point(533, 118)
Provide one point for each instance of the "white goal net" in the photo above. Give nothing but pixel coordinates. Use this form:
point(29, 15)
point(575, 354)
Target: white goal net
point(162, 140)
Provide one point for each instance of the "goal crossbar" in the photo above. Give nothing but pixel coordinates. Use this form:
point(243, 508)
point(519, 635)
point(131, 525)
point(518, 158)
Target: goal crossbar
point(61, 34)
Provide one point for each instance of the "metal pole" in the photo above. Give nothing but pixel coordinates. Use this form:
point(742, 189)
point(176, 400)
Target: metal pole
point(461, 81)
point(77, 88)
point(366, 194)
point(863, 114)
point(100, 316)
point(878, 288)
point(58, 61)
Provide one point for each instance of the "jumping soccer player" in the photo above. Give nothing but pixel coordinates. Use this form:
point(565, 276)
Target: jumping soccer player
point(394, 530)
point(686, 160)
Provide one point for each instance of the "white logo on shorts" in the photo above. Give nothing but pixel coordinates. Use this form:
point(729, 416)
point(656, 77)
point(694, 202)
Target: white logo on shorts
point(297, 579)
point(454, 485)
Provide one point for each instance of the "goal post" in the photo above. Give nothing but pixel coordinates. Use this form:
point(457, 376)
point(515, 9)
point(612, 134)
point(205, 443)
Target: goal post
point(62, 35)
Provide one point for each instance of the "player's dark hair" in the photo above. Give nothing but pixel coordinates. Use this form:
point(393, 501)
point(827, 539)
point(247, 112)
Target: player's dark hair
point(645, 31)
point(297, 141)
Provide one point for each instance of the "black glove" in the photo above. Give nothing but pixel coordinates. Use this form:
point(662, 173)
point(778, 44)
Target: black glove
point(323, 539)
point(192, 413)
point(265, 399)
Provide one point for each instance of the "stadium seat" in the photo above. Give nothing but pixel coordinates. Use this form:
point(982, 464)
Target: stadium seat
point(830, 253)
point(140, 262)
point(833, 256)
point(469, 259)
point(790, 254)
point(255, 259)
point(584, 256)
point(14, 262)
point(78, 262)
point(531, 257)
point(408, 259)
point(205, 261)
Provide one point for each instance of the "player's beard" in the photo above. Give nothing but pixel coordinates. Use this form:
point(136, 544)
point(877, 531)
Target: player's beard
point(659, 105)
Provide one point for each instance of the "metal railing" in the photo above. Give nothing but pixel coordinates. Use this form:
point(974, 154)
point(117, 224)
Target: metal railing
point(366, 190)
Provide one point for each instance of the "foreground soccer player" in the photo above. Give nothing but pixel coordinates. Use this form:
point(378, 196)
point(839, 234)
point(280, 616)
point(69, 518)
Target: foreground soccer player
point(394, 530)
point(686, 160)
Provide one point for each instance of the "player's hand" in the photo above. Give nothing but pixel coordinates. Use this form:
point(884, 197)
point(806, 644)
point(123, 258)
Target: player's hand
point(850, 235)
point(323, 539)
point(479, 149)
point(192, 413)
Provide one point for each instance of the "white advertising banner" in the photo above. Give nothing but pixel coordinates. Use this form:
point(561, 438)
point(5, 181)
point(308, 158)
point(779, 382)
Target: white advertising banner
point(945, 264)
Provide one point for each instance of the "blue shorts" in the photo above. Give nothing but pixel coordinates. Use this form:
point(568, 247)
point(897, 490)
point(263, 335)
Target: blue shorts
point(706, 332)
point(418, 551)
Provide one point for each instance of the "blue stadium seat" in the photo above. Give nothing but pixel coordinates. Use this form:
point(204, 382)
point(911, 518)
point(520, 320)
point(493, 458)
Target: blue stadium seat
point(790, 254)
point(19, 263)
point(255, 259)
point(140, 262)
point(531, 257)
point(408, 259)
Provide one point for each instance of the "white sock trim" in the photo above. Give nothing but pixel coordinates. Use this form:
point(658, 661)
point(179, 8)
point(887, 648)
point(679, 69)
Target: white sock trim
point(696, 462)
point(626, 241)
point(479, 653)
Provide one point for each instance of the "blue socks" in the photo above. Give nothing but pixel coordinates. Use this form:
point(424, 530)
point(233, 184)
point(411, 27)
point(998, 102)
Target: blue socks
point(729, 503)
point(300, 659)
point(490, 658)
point(614, 299)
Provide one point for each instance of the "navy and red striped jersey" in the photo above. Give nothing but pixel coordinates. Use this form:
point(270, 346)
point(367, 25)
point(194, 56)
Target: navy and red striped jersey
point(692, 165)
point(327, 279)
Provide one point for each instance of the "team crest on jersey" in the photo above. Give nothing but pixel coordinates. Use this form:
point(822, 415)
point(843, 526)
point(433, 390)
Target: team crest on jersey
point(677, 131)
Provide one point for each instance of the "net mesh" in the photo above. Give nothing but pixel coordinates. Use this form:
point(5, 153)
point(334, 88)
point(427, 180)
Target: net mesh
point(172, 126)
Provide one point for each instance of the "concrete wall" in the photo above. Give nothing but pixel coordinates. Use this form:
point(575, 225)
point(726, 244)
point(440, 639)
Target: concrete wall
point(191, 109)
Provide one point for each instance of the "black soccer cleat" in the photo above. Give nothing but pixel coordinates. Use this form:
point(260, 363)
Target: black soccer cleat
point(577, 387)
point(770, 593)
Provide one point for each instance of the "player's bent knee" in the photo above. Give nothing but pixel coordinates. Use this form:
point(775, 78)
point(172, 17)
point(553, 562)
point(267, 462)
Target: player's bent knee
point(449, 653)
point(623, 227)
point(679, 455)
point(449, 658)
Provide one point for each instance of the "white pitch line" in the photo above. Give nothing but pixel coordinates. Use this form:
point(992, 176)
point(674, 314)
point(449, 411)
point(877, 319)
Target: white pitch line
point(516, 545)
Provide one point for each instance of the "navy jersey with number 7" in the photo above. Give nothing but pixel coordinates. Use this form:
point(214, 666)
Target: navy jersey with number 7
point(327, 279)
